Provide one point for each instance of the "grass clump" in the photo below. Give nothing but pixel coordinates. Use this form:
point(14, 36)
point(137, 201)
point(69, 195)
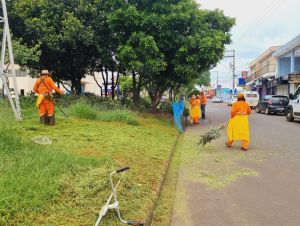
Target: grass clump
point(83, 111)
point(86, 111)
point(118, 115)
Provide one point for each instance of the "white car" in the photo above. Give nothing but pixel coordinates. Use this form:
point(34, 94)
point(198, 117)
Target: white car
point(293, 109)
point(232, 100)
point(252, 98)
point(217, 100)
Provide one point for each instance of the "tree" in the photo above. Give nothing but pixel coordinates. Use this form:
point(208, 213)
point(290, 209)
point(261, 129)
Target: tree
point(190, 87)
point(23, 56)
point(64, 33)
point(168, 43)
point(126, 85)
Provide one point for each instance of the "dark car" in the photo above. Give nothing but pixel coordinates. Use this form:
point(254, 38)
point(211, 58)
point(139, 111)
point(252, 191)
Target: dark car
point(273, 104)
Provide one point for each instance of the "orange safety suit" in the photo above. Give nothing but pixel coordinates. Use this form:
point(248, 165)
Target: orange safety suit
point(203, 105)
point(240, 110)
point(45, 85)
point(203, 99)
point(195, 110)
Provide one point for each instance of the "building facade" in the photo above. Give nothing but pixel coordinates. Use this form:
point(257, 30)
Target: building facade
point(262, 75)
point(25, 84)
point(288, 67)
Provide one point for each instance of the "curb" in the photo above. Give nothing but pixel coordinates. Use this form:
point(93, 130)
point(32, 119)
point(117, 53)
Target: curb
point(148, 220)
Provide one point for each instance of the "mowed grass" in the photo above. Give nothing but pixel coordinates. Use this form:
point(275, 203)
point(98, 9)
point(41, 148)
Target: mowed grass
point(66, 183)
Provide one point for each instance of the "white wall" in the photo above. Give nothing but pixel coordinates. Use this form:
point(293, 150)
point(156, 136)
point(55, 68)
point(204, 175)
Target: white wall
point(23, 83)
point(27, 83)
point(90, 84)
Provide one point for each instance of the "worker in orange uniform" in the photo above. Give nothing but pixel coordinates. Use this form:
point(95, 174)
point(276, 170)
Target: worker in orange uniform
point(44, 87)
point(194, 109)
point(238, 127)
point(203, 104)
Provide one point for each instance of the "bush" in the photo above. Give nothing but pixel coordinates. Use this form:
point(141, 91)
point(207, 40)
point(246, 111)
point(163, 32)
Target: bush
point(27, 101)
point(166, 107)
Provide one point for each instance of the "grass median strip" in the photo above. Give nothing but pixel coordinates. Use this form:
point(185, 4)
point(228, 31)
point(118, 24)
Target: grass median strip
point(66, 183)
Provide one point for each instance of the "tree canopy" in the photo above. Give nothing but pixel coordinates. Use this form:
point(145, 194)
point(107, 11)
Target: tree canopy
point(162, 43)
point(169, 43)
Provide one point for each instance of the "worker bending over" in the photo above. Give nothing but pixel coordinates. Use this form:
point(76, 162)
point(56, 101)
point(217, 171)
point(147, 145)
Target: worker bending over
point(195, 111)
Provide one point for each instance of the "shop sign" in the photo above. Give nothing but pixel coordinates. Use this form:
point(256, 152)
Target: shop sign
point(244, 74)
point(294, 78)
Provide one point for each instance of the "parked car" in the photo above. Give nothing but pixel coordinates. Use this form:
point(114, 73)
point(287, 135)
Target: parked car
point(293, 109)
point(273, 104)
point(252, 98)
point(217, 100)
point(232, 100)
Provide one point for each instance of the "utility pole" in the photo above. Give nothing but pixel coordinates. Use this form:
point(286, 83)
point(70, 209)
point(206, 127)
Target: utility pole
point(217, 78)
point(233, 67)
point(217, 83)
point(217, 72)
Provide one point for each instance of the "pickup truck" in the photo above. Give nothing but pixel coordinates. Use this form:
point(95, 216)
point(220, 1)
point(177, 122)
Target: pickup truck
point(293, 109)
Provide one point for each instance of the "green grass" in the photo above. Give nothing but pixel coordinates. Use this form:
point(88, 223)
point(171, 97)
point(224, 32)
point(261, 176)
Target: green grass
point(66, 183)
point(163, 211)
point(29, 175)
point(85, 111)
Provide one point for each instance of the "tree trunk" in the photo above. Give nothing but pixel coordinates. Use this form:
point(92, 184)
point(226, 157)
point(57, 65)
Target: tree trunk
point(76, 85)
point(155, 98)
point(98, 84)
point(64, 85)
point(171, 97)
point(135, 89)
point(117, 85)
point(113, 85)
point(105, 80)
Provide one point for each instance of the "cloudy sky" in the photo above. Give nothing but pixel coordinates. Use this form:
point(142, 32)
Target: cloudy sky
point(259, 25)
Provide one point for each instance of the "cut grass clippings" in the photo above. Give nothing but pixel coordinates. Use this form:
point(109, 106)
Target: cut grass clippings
point(66, 183)
point(215, 166)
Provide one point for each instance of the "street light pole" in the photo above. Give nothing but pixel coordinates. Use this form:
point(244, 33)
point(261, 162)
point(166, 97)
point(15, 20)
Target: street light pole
point(233, 70)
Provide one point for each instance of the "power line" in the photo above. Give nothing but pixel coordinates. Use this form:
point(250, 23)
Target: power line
point(261, 18)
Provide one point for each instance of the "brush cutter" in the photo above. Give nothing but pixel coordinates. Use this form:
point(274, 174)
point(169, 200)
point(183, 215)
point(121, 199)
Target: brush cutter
point(115, 205)
point(66, 116)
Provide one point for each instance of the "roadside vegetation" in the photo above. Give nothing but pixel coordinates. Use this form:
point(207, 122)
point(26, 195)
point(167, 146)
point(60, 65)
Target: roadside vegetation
point(66, 183)
point(148, 48)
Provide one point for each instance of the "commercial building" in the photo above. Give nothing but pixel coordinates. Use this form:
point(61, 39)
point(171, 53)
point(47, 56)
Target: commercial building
point(262, 75)
point(288, 67)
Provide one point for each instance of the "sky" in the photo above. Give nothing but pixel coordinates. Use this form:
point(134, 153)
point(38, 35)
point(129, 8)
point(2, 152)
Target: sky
point(260, 24)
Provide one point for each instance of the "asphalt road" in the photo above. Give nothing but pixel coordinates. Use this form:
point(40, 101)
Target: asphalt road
point(270, 199)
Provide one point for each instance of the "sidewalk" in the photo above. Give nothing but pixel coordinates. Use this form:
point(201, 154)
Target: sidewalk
point(203, 175)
